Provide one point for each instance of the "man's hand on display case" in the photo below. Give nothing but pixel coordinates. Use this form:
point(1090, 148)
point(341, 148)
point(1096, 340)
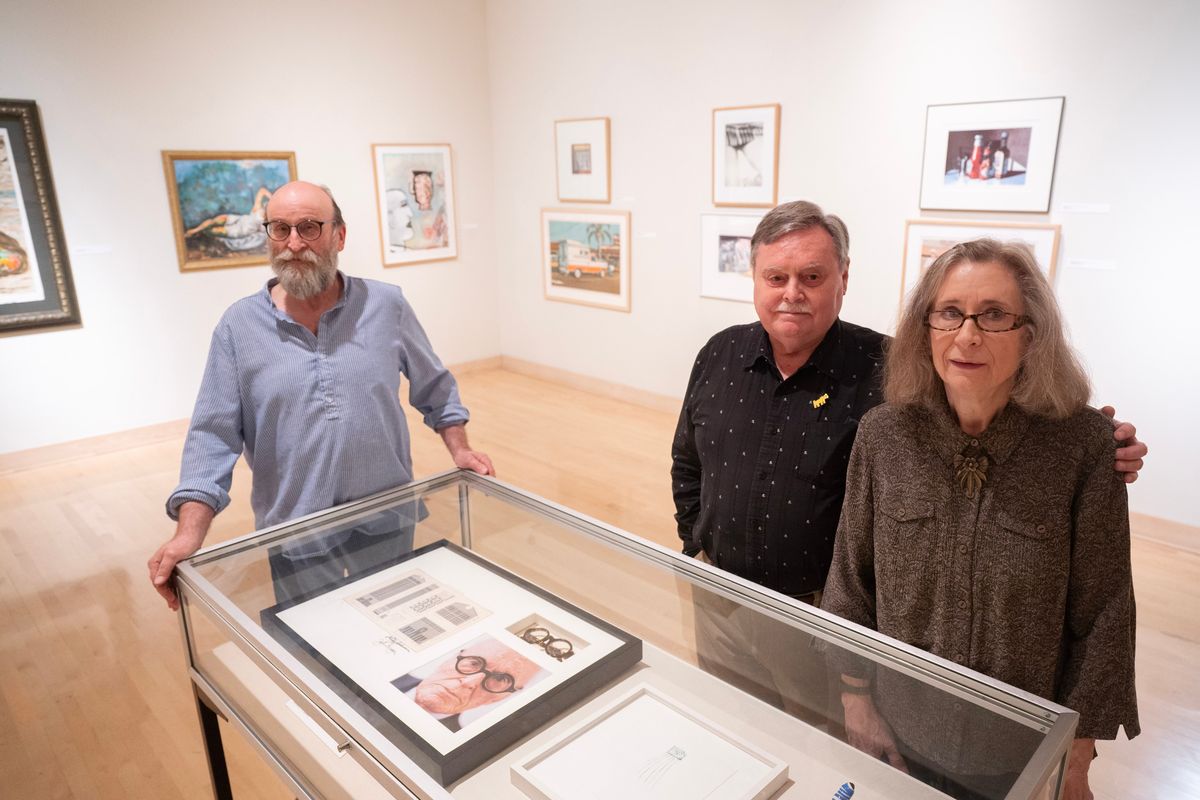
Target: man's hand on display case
point(455, 438)
point(194, 520)
point(867, 730)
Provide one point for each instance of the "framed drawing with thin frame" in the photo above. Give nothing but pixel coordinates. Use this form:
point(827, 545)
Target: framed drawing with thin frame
point(583, 160)
point(995, 156)
point(646, 746)
point(414, 196)
point(451, 657)
point(725, 256)
point(36, 289)
point(585, 257)
point(745, 152)
point(926, 239)
point(219, 204)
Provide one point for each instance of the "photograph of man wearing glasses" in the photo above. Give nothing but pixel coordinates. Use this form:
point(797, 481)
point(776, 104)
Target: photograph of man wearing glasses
point(468, 683)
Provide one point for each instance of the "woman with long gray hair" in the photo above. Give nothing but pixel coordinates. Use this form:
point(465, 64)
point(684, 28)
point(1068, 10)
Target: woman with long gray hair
point(983, 522)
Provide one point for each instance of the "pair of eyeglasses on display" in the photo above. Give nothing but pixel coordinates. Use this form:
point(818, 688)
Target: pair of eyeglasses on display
point(558, 649)
point(308, 229)
point(494, 682)
point(994, 320)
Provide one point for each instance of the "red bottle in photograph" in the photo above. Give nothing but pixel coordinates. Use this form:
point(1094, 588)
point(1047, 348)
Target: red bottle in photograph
point(976, 156)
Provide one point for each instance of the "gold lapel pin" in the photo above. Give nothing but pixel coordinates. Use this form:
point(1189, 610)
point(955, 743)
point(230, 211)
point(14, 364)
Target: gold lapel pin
point(820, 401)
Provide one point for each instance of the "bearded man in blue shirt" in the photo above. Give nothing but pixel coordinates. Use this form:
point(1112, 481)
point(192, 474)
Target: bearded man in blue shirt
point(304, 376)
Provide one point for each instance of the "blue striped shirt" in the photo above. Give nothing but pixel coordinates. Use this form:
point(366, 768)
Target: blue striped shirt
point(317, 414)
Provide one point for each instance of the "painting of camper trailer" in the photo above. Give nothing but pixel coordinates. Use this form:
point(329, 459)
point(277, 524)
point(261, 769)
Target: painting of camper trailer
point(586, 257)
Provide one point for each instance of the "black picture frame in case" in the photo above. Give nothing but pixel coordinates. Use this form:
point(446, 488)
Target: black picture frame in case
point(401, 722)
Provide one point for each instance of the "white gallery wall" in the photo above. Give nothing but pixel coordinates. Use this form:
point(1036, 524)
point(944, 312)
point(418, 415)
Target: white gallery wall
point(854, 80)
point(118, 82)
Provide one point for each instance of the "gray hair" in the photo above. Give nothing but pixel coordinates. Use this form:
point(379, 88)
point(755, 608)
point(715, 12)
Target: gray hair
point(338, 220)
point(1050, 381)
point(801, 215)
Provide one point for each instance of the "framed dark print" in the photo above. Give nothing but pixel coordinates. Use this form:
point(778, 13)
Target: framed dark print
point(36, 289)
point(582, 159)
point(995, 156)
point(725, 256)
point(745, 151)
point(219, 204)
point(449, 656)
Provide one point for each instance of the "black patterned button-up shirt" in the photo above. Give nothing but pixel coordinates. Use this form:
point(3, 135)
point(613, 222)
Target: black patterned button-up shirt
point(759, 463)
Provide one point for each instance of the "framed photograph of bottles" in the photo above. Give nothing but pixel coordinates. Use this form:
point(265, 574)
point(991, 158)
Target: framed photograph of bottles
point(926, 239)
point(725, 256)
point(991, 156)
point(745, 153)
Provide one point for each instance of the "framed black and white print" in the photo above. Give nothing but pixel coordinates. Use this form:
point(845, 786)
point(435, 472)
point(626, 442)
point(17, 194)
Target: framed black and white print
point(36, 289)
point(451, 657)
point(745, 152)
point(994, 156)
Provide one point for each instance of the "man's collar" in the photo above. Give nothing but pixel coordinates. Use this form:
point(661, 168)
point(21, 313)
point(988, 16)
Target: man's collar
point(825, 358)
point(273, 281)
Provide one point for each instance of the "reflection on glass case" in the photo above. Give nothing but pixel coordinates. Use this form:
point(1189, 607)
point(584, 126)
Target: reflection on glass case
point(460, 638)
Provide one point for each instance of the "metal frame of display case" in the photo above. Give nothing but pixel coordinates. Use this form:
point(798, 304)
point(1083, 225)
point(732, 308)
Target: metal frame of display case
point(372, 751)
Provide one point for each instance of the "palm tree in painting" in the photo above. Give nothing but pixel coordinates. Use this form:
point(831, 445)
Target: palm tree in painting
point(598, 232)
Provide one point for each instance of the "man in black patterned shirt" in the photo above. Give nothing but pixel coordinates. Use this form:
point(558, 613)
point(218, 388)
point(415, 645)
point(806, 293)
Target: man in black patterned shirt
point(760, 452)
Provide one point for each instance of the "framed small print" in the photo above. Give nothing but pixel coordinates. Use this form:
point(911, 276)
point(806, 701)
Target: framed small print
point(36, 289)
point(995, 156)
point(582, 157)
point(745, 150)
point(450, 657)
point(414, 195)
point(219, 204)
point(725, 271)
point(585, 257)
point(646, 746)
point(926, 239)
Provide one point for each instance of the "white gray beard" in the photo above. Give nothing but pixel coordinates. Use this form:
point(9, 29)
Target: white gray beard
point(304, 282)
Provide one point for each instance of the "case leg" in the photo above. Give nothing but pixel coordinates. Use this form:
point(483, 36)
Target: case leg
point(218, 772)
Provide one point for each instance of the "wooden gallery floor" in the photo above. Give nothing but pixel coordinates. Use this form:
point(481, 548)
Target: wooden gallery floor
point(94, 698)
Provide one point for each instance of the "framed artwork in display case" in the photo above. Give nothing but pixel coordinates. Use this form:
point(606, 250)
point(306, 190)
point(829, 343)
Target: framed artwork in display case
point(36, 288)
point(585, 257)
point(994, 156)
point(583, 160)
point(453, 658)
point(926, 239)
point(745, 152)
point(646, 746)
point(219, 204)
point(414, 195)
point(725, 256)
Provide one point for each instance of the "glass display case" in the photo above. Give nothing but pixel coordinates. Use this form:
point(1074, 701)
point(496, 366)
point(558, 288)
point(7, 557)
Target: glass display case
point(460, 638)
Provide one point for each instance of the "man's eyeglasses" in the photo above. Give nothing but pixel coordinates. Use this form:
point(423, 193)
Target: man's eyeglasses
point(494, 682)
point(993, 320)
point(309, 229)
point(558, 649)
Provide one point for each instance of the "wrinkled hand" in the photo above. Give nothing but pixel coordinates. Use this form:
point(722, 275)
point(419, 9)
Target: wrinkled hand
point(1131, 452)
point(163, 562)
point(474, 461)
point(867, 730)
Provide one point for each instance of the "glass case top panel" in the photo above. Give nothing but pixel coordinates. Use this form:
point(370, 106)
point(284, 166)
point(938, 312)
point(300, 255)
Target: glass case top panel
point(460, 617)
